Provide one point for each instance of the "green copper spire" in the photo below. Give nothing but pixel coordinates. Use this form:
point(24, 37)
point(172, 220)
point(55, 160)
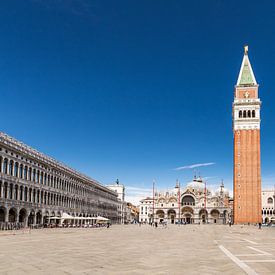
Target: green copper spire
point(246, 75)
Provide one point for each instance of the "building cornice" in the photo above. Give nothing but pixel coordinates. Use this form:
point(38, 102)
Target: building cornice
point(35, 154)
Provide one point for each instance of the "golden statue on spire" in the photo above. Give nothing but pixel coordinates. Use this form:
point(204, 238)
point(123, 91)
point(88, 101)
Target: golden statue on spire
point(246, 49)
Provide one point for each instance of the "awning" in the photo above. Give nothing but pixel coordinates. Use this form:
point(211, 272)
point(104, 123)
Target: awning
point(99, 218)
point(55, 218)
point(66, 216)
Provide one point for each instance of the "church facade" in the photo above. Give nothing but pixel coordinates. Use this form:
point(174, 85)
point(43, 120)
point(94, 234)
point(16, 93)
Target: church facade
point(247, 163)
point(192, 204)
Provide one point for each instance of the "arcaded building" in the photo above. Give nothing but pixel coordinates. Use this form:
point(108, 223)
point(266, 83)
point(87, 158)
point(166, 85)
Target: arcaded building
point(35, 187)
point(194, 203)
point(268, 206)
point(247, 160)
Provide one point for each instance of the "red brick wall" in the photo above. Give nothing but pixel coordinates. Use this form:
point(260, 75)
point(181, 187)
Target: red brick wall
point(247, 177)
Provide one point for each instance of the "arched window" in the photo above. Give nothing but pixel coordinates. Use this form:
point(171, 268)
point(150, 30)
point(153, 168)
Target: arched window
point(37, 176)
point(25, 172)
point(21, 171)
point(26, 194)
point(11, 168)
point(30, 195)
point(253, 113)
point(270, 200)
point(21, 193)
point(249, 113)
point(41, 178)
point(244, 113)
point(11, 191)
point(5, 166)
point(16, 169)
point(34, 175)
point(240, 114)
point(30, 174)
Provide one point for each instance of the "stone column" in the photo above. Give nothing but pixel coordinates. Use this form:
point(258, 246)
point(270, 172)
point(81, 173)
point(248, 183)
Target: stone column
point(29, 196)
point(18, 192)
point(8, 191)
point(17, 216)
point(23, 193)
point(26, 219)
point(7, 216)
point(2, 190)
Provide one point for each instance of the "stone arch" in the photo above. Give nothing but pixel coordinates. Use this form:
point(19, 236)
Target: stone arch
point(188, 200)
point(6, 190)
point(11, 168)
point(46, 217)
point(3, 213)
point(187, 213)
point(30, 174)
point(16, 167)
point(269, 200)
point(203, 215)
point(11, 191)
point(21, 171)
point(39, 217)
point(171, 213)
point(266, 220)
point(5, 166)
point(30, 194)
point(160, 215)
point(215, 215)
point(16, 192)
point(12, 214)
point(34, 175)
point(240, 114)
point(23, 216)
point(31, 217)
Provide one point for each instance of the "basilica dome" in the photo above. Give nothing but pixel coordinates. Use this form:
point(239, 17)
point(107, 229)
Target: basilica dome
point(196, 184)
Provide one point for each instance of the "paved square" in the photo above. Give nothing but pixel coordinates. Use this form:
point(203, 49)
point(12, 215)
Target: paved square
point(133, 249)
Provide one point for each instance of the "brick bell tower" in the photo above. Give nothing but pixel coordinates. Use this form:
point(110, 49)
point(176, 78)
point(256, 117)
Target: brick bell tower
point(247, 162)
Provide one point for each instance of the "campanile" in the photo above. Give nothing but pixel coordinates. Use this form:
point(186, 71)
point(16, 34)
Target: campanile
point(247, 161)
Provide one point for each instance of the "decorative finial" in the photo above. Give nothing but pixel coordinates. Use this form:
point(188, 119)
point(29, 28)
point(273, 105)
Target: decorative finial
point(117, 182)
point(246, 49)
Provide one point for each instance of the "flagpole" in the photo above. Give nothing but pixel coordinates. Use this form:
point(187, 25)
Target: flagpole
point(179, 203)
point(153, 201)
point(205, 201)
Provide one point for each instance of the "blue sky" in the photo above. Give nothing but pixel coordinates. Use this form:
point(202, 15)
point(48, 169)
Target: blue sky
point(134, 89)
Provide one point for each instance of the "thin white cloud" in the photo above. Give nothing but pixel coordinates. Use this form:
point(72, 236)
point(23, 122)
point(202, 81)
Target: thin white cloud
point(209, 178)
point(194, 166)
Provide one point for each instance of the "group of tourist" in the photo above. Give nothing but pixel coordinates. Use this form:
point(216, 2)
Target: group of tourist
point(19, 225)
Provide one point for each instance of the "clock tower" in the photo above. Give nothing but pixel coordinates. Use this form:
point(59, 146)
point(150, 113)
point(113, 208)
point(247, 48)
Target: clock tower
point(247, 161)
